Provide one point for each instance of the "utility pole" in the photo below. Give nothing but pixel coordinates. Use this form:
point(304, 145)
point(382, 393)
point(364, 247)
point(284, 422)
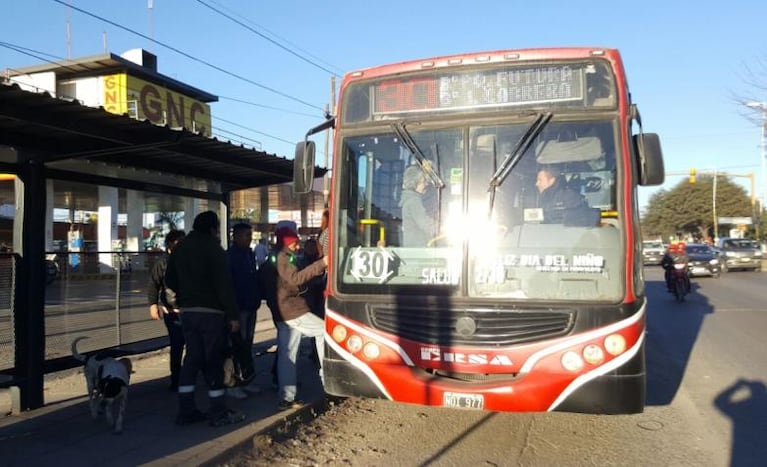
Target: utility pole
point(329, 110)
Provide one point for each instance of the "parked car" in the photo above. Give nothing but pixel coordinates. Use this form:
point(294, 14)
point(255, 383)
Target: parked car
point(652, 251)
point(739, 253)
point(704, 261)
point(51, 269)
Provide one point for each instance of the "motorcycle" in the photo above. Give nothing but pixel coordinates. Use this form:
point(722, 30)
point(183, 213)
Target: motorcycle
point(680, 281)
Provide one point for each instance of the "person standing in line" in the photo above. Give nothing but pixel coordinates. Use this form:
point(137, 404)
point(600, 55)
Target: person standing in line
point(296, 319)
point(245, 281)
point(323, 240)
point(162, 305)
point(198, 271)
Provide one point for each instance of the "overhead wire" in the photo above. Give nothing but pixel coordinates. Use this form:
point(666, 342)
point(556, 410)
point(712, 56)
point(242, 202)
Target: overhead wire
point(218, 132)
point(191, 57)
point(272, 33)
point(37, 54)
point(264, 106)
point(267, 38)
point(252, 130)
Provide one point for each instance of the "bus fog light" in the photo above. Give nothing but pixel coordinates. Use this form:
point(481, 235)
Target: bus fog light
point(593, 354)
point(371, 351)
point(615, 344)
point(571, 361)
point(354, 343)
point(339, 333)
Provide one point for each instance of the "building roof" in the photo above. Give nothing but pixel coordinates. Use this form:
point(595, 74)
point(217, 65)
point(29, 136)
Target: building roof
point(91, 145)
point(107, 63)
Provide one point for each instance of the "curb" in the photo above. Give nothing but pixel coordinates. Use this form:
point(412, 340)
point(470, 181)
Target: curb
point(280, 429)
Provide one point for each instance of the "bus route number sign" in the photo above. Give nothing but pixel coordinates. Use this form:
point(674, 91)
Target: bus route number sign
point(371, 264)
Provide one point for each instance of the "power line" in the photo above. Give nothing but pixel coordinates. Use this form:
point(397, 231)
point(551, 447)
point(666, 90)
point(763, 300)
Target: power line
point(221, 130)
point(254, 131)
point(267, 106)
point(28, 52)
point(254, 31)
point(272, 33)
point(37, 54)
point(191, 57)
point(31, 53)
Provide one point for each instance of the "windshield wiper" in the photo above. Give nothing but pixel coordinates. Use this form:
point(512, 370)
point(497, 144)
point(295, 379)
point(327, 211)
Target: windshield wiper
point(420, 159)
point(513, 158)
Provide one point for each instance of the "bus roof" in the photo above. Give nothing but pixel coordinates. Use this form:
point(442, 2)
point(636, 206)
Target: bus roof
point(498, 56)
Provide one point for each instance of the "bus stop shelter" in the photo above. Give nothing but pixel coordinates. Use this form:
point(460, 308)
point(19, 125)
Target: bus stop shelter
point(63, 140)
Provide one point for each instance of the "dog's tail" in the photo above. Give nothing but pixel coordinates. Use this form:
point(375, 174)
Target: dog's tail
point(78, 356)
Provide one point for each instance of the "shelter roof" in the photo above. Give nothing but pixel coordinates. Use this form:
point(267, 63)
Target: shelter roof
point(102, 64)
point(91, 145)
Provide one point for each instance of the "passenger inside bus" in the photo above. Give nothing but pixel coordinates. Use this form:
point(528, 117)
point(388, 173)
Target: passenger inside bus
point(418, 225)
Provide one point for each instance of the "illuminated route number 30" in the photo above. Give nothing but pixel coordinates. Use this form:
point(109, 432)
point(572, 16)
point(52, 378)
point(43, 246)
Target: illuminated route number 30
point(372, 264)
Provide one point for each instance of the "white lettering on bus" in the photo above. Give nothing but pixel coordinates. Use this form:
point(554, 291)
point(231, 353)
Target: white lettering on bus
point(433, 354)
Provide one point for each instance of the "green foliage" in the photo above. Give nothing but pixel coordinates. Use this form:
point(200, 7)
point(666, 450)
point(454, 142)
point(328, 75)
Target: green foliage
point(170, 218)
point(688, 208)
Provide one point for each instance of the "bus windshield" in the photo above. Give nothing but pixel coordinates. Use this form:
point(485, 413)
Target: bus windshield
point(427, 212)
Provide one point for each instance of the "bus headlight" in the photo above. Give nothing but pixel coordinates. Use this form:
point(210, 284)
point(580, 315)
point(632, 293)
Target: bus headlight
point(339, 333)
point(354, 343)
point(571, 361)
point(615, 344)
point(371, 351)
point(593, 354)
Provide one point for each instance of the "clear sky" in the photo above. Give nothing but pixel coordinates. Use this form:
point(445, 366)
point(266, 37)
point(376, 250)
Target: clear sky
point(687, 61)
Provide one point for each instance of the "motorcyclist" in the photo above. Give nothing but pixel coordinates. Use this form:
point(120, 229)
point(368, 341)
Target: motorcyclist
point(675, 254)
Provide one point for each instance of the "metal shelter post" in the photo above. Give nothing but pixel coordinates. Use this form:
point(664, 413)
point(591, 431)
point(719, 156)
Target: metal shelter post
point(30, 293)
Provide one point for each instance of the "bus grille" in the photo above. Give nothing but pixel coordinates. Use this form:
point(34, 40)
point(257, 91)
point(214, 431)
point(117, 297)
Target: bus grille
point(476, 327)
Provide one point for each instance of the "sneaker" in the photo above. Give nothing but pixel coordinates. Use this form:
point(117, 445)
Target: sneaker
point(236, 393)
point(286, 404)
point(190, 418)
point(227, 417)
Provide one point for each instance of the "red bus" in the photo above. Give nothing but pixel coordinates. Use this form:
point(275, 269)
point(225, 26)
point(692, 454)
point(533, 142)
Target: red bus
point(455, 279)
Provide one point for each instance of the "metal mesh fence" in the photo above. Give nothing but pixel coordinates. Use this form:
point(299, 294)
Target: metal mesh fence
point(100, 295)
point(8, 262)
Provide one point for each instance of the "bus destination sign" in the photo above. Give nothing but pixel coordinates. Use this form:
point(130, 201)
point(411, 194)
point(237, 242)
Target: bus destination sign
point(480, 88)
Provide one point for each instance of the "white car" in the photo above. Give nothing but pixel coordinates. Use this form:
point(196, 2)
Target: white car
point(652, 251)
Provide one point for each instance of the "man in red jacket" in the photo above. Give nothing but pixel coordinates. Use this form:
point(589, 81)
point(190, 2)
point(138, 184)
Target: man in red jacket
point(295, 317)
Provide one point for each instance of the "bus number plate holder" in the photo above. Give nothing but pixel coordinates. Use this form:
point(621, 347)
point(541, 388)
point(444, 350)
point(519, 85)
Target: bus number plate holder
point(459, 400)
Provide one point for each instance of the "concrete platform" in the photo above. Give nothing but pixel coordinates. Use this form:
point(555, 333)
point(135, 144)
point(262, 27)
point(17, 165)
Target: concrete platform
point(62, 433)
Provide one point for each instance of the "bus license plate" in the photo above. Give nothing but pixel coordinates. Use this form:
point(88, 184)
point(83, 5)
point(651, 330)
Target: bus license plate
point(458, 400)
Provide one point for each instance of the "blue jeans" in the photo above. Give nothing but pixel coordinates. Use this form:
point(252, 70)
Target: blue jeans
point(289, 335)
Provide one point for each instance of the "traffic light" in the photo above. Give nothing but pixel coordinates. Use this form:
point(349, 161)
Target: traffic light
point(693, 172)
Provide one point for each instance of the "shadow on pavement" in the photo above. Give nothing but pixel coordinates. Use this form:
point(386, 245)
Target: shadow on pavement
point(672, 329)
point(64, 434)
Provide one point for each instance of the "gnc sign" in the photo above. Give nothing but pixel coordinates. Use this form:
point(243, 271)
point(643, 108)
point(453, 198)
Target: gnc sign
point(147, 101)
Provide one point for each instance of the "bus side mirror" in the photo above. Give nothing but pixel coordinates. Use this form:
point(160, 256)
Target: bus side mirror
point(303, 167)
point(649, 159)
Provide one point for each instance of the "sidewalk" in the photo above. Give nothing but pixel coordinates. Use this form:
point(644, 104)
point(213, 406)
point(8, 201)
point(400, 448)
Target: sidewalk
point(63, 434)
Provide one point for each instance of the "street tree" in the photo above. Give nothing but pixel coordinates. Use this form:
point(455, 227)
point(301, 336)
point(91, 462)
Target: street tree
point(687, 208)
